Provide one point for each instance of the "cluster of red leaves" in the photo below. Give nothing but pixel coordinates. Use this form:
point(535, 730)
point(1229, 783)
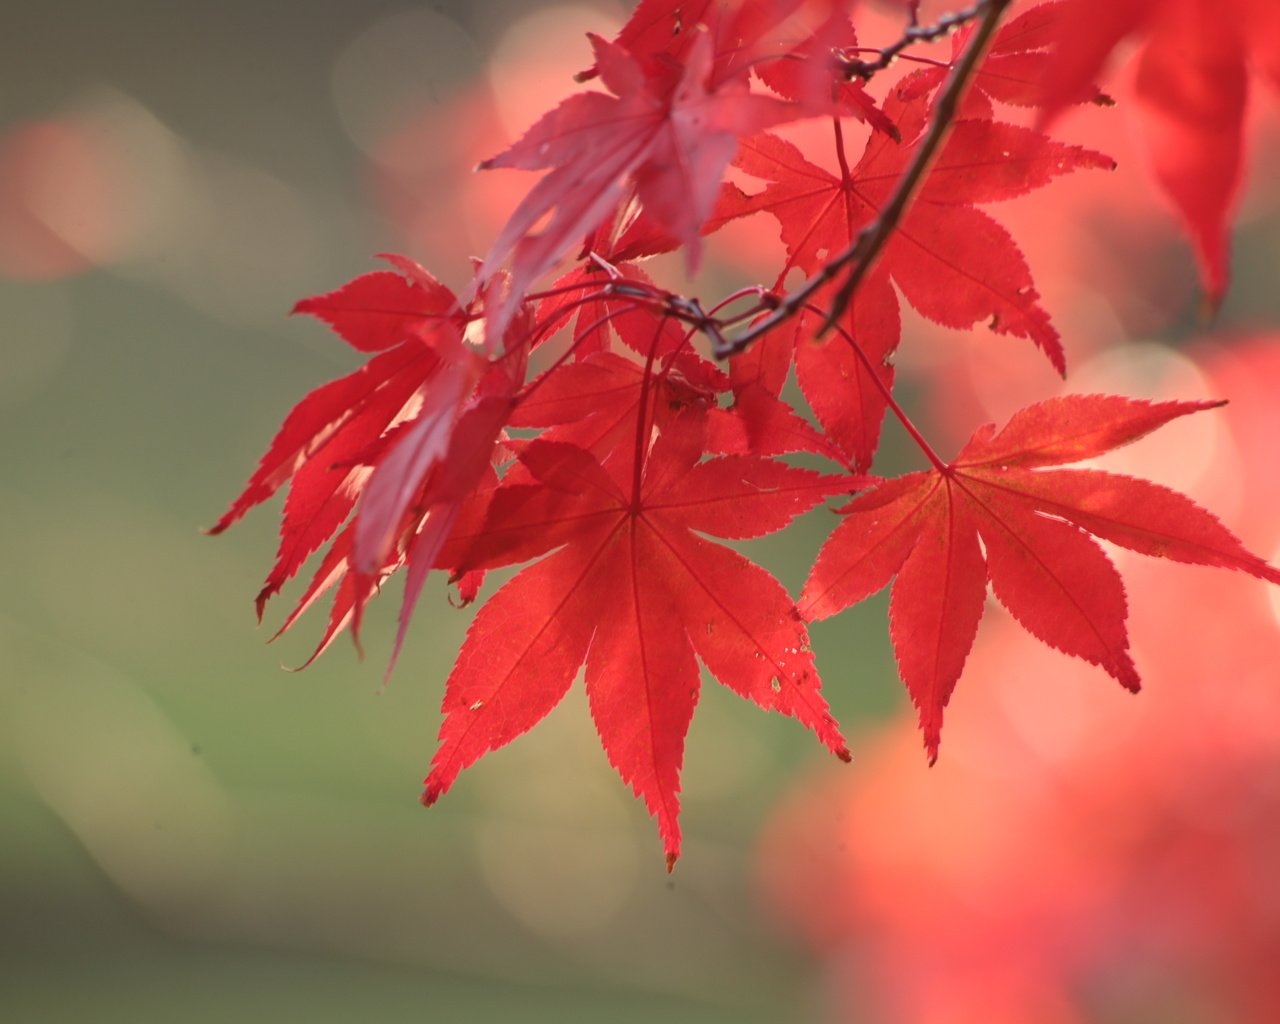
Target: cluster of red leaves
point(632, 445)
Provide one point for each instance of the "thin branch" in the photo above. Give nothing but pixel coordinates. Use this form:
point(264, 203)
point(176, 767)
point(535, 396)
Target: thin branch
point(691, 312)
point(860, 255)
point(642, 429)
point(914, 58)
point(855, 67)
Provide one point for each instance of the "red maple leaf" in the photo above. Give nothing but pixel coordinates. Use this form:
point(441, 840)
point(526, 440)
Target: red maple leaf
point(952, 262)
point(631, 589)
point(807, 73)
point(405, 317)
point(1192, 86)
point(741, 31)
point(394, 447)
point(594, 403)
point(1014, 68)
point(1034, 525)
point(668, 130)
point(663, 26)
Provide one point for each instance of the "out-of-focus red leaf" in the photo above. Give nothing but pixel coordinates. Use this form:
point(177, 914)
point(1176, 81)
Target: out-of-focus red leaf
point(1192, 87)
point(664, 129)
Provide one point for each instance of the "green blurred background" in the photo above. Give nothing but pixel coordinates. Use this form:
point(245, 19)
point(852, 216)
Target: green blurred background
point(191, 833)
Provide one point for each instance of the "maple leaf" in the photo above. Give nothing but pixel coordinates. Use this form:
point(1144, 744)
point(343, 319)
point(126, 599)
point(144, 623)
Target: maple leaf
point(1191, 88)
point(1034, 524)
point(953, 263)
point(594, 403)
point(666, 128)
point(395, 446)
point(663, 26)
point(806, 70)
point(660, 31)
point(405, 318)
point(384, 308)
point(760, 423)
point(1013, 70)
point(633, 591)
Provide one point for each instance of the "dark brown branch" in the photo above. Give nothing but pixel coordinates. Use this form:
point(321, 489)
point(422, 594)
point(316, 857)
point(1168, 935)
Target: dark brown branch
point(860, 255)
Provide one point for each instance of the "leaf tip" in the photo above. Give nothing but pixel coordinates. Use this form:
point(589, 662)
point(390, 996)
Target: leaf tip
point(811, 606)
point(1126, 673)
point(672, 857)
point(844, 755)
point(320, 649)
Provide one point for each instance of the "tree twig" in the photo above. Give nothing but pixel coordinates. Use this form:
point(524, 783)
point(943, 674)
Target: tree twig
point(861, 253)
point(914, 33)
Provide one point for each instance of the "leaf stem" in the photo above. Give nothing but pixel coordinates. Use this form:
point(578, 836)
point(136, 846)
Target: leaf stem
point(887, 393)
point(845, 175)
point(642, 415)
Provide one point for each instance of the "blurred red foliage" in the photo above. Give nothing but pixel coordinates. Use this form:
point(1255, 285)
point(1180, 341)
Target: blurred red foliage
point(57, 208)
